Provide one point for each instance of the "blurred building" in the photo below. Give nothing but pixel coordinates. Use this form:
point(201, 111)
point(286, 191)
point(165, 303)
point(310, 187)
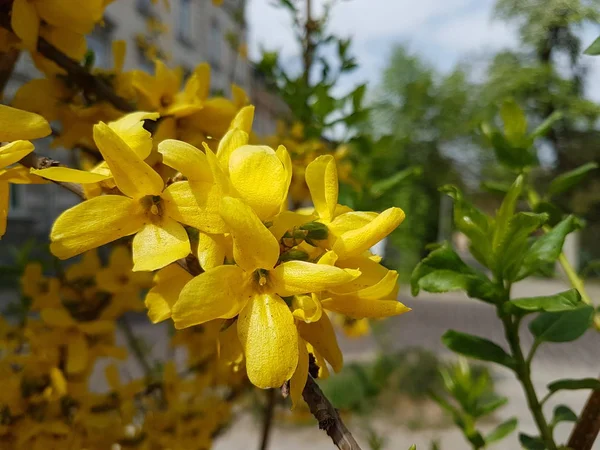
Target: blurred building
point(183, 33)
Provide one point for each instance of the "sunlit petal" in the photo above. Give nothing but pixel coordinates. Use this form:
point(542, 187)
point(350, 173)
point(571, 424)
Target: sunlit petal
point(168, 283)
point(321, 178)
point(270, 340)
point(254, 247)
point(94, 223)
point(321, 335)
point(298, 380)
point(157, 245)
point(300, 277)
point(359, 308)
point(219, 293)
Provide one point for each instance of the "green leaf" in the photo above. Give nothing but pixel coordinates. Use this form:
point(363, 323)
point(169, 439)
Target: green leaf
point(563, 326)
point(381, 187)
point(563, 413)
point(531, 442)
point(562, 301)
point(477, 347)
point(501, 431)
point(515, 122)
point(569, 384)
point(412, 447)
point(593, 49)
point(507, 210)
point(443, 270)
point(555, 214)
point(546, 125)
point(491, 406)
point(476, 225)
point(569, 179)
point(510, 252)
point(495, 187)
point(546, 249)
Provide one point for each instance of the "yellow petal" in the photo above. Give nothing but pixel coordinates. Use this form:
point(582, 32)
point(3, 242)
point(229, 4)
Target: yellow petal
point(81, 16)
point(230, 348)
point(355, 242)
point(359, 308)
point(259, 177)
point(371, 273)
point(94, 223)
point(69, 175)
point(194, 205)
point(287, 220)
point(270, 340)
point(254, 247)
point(307, 307)
point(133, 176)
point(243, 119)
point(13, 152)
point(130, 129)
point(159, 244)
point(25, 23)
point(322, 180)
point(218, 293)
point(57, 317)
point(383, 289)
point(285, 159)
point(298, 380)
point(239, 96)
point(300, 277)
point(232, 140)
point(77, 353)
point(211, 250)
point(185, 158)
point(322, 337)
point(119, 48)
point(349, 221)
point(168, 283)
point(59, 383)
point(97, 327)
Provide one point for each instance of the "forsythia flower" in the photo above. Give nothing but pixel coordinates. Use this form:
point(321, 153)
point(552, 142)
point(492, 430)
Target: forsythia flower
point(16, 125)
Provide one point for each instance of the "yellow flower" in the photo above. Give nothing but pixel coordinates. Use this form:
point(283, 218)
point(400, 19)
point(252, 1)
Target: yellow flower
point(253, 288)
point(118, 277)
point(16, 125)
point(27, 15)
point(351, 233)
point(168, 283)
point(44, 291)
point(75, 333)
point(146, 209)
point(161, 91)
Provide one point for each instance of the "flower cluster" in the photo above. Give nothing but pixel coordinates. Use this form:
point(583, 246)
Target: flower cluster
point(48, 360)
point(272, 271)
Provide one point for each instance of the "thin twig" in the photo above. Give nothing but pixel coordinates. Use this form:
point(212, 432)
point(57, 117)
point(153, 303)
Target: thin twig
point(587, 428)
point(328, 417)
point(77, 73)
point(268, 419)
point(33, 161)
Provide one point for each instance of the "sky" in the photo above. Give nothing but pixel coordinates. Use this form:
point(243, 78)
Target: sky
point(443, 32)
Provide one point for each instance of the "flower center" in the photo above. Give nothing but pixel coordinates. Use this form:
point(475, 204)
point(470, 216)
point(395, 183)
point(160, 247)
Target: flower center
point(261, 277)
point(153, 206)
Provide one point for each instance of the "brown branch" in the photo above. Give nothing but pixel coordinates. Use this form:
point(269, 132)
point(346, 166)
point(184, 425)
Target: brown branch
point(42, 162)
point(77, 73)
point(327, 416)
point(588, 426)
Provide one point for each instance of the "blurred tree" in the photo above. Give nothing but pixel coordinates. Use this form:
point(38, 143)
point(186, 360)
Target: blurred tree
point(547, 74)
point(425, 118)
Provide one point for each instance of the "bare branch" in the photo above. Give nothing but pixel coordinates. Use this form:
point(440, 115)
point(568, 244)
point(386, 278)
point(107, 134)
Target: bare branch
point(42, 162)
point(328, 417)
point(77, 73)
point(588, 426)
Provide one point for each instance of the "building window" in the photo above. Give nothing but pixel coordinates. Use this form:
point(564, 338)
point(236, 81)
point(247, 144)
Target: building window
point(216, 40)
point(185, 29)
